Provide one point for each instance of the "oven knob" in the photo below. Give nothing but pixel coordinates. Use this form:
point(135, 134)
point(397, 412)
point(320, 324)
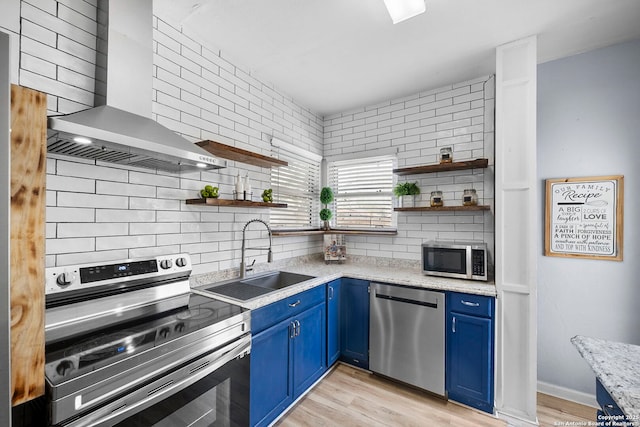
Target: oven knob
point(65, 279)
point(181, 262)
point(64, 367)
point(164, 332)
point(179, 327)
point(166, 264)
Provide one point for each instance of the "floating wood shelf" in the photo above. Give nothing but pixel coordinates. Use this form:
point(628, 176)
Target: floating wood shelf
point(285, 233)
point(444, 208)
point(443, 167)
point(240, 155)
point(229, 202)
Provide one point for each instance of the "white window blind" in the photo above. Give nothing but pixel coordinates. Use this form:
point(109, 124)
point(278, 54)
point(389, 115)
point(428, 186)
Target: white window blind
point(297, 185)
point(363, 191)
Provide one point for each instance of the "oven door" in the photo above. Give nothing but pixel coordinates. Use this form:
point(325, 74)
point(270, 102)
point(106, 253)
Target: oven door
point(446, 261)
point(211, 390)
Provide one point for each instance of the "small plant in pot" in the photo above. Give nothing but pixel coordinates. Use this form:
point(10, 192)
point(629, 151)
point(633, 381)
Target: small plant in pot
point(406, 192)
point(326, 197)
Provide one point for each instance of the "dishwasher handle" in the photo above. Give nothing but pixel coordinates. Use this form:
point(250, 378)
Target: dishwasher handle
point(406, 300)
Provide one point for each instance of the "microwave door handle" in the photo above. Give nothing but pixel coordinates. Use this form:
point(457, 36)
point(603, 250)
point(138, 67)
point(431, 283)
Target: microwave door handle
point(469, 268)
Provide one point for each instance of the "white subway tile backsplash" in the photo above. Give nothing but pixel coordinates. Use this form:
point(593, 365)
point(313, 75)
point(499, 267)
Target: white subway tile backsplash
point(73, 168)
point(125, 215)
point(63, 246)
point(124, 242)
point(91, 229)
point(83, 200)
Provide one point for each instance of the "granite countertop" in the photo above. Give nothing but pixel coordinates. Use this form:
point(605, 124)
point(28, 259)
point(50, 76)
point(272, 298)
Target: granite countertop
point(371, 269)
point(617, 366)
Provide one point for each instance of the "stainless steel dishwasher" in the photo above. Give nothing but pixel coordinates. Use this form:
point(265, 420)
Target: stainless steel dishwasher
point(407, 335)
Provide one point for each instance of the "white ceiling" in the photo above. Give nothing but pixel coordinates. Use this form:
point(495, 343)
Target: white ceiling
point(335, 55)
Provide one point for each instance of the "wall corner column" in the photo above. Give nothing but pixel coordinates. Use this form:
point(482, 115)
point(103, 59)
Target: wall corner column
point(516, 239)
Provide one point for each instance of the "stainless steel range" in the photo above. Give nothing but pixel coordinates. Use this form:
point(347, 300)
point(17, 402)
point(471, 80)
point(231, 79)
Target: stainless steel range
point(128, 344)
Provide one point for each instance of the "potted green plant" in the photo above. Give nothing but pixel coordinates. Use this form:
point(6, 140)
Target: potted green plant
point(406, 192)
point(326, 197)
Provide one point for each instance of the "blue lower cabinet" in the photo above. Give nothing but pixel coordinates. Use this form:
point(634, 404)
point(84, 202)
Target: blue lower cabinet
point(287, 356)
point(354, 322)
point(333, 322)
point(271, 383)
point(469, 350)
point(309, 349)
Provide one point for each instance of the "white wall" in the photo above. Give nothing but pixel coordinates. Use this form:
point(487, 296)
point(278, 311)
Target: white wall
point(415, 127)
point(588, 124)
point(101, 212)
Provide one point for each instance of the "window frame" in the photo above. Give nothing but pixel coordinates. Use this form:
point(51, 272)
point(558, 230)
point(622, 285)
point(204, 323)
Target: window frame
point(298, 158)
point(386, 193)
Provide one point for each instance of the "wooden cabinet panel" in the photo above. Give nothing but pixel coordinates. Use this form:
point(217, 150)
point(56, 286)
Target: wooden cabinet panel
point(28, 199)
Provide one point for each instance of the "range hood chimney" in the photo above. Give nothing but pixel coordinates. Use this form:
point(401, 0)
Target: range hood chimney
point(122, 131)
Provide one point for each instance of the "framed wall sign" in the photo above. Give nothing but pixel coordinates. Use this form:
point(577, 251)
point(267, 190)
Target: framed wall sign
point(583, 217)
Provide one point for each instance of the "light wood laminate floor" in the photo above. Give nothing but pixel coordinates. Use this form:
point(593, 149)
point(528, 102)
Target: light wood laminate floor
point(349, 396)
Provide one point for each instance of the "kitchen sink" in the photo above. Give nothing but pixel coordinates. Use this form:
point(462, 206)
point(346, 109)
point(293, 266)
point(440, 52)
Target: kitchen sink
point(254, 287)
point(277, 280)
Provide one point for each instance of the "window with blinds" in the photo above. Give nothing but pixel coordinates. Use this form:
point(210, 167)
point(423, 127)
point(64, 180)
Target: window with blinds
point(297, 185)
point(363, 191)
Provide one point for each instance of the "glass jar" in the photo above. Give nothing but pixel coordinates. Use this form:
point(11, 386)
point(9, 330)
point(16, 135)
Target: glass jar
point(436, 199)
point(469, 197)
point(446, 155)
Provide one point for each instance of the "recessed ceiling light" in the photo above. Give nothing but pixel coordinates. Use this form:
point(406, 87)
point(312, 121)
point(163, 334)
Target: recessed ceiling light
point(401, 10)
point(82, 140)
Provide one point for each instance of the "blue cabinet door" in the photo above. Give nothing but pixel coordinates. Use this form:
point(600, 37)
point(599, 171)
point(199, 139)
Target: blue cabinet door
point(354, 322)
point(271, 382)
point(309, 348)
point(333, 322)
point(469, 360)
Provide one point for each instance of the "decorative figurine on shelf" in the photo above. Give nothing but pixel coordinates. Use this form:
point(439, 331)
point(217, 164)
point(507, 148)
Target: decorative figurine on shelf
point(326, 197)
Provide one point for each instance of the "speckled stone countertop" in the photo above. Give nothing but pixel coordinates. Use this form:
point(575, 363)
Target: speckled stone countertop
point(384, 270)
point(617, 366)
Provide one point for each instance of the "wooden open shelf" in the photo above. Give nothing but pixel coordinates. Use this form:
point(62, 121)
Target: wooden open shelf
point(444, 208)
point(443, 167)
point(229, 202)
point(335, 231)
point(240, 155)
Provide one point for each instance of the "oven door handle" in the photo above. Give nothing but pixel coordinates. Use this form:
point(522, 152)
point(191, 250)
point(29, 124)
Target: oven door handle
point(169, 384)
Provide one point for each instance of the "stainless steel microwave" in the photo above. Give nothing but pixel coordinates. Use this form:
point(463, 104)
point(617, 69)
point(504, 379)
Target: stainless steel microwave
point(464, 260)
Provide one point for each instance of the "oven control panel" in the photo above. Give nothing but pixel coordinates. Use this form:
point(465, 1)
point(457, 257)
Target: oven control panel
point(84, 276)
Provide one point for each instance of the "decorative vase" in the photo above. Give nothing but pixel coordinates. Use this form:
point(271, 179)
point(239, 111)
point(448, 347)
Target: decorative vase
point(407, 201)
point(326, 226)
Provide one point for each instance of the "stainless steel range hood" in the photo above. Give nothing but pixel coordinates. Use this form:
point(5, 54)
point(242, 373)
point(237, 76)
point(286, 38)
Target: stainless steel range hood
point(122, 131)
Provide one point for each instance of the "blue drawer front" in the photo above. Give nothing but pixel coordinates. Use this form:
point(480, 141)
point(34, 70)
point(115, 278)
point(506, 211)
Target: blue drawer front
point(475, 305)
point(264, 317)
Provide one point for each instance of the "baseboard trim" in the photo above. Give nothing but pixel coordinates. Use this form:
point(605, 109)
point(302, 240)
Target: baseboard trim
point(567, 394)
point(515, 421)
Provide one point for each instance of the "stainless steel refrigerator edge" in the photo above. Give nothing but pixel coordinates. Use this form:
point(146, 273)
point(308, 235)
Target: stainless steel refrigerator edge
point(406, 339)
point(5, 183)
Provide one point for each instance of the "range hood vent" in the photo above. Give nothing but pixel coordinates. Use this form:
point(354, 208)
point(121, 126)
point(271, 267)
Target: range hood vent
point(122, 131)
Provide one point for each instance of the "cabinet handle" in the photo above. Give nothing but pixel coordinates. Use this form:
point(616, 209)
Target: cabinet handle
point(330, 292)
point(292, 329)
point(294, 304)
point(470, 304)
point(297, 322)
point(453, 327)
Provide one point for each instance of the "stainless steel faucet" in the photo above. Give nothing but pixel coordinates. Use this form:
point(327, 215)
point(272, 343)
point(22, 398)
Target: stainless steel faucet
point(243, 265)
